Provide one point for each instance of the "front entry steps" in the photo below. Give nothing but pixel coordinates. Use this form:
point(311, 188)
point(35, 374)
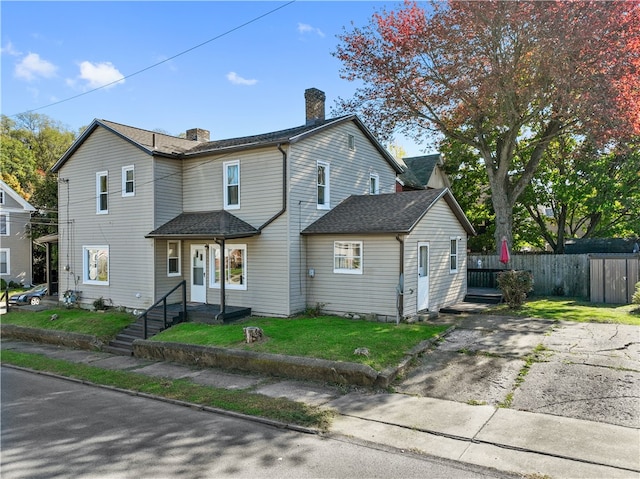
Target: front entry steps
point(123, 343)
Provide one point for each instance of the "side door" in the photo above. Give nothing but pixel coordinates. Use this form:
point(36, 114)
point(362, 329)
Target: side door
point(198, 273)
point(423, 276)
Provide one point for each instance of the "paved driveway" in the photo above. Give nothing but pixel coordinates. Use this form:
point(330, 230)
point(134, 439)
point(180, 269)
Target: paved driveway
point(581, 370)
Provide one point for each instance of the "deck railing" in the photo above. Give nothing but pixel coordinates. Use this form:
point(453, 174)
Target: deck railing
point(163, 300)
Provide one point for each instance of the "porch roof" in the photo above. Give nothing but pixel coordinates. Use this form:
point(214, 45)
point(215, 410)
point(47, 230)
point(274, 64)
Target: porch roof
point(202, 225)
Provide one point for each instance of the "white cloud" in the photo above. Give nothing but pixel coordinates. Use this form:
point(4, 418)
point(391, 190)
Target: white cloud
point(234, 78)
point(9, 49)
point(32, 66)
point(306, 28)
point(100, 74)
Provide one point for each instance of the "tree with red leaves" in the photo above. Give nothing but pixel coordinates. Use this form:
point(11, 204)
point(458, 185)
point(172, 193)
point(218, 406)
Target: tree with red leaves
point(503, 77)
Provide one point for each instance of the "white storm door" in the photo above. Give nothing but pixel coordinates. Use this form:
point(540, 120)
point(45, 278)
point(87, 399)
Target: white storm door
point(198, 273)
point(423, 276)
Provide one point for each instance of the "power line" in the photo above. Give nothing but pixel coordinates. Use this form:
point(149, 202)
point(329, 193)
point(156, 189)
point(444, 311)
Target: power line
point(253, 20)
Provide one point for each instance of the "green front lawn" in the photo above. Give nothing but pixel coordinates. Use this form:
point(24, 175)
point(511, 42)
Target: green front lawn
point(103, 325)
point(325, 337)
point(572, 309)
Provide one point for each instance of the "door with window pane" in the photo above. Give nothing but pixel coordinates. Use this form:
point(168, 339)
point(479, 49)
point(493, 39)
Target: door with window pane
point(423, 276)
point(198, 273)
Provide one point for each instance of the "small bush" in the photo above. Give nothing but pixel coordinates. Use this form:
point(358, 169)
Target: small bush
point(314, 311)
point(3, 284)
point(635, 299)
point(514, 286)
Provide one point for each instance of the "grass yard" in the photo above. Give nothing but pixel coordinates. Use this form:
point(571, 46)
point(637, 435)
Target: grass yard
point(572, 309)
point(103, 325)
point(324, 337)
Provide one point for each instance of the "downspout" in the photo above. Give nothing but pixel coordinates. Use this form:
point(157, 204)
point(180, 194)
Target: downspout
point(220, 315)
point(284, 191)
point(400, 287)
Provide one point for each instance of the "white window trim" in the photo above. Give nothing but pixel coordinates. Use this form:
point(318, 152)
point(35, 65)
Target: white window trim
point(345, 270)
point(225, 166)
point(8, 253)
point(2, 197)
point(125, 169)
point(213, 248)
point(179, 257)
point(99, 175)
point(327, 186)
point(456, 254)
point(376, 177)
point(7, 217)
point(85, 271)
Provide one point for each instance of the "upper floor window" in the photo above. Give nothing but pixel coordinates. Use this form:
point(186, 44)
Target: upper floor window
point(1, 197)
point(4, 225)
point(235, 266)
point(102, 184)
point(173, 258)
point(95, 264)
point(453, 255)
point(128, 181)
point(347, 257)
point(323, 185)
point(374, 184)
point(232, 185)
point(351, 141)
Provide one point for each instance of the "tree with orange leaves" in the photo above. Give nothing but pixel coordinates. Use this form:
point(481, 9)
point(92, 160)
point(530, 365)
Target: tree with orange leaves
point(503, 77)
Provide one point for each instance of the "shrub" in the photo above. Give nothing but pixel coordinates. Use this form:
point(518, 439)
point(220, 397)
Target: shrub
point(3, 284)
point(635, 299)
point(514, 286)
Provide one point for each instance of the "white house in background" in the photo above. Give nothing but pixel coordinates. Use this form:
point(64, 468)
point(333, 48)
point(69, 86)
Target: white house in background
point(16, 249)
point(140, 211)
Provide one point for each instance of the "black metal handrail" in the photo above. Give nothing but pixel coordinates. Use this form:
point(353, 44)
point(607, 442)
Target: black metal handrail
point(163, 300)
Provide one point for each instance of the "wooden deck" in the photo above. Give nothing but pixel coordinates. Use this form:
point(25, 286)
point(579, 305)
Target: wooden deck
point(206, 313)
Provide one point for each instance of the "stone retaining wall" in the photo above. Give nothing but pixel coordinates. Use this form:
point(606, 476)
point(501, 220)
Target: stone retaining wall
point(51, 336)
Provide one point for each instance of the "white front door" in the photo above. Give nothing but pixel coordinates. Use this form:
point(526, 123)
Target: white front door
point(423, 276)
point(198, 273)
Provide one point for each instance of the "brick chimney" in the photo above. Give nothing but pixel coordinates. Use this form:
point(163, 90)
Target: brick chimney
point(197, 134)
point(314, 101)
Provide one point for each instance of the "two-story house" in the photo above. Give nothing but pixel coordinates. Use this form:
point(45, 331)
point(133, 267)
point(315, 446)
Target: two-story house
point(16, 249)
point(140, 211)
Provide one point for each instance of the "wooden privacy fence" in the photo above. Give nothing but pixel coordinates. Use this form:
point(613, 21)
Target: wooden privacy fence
point(599, 277)
point(613, 277)
point(553, 274)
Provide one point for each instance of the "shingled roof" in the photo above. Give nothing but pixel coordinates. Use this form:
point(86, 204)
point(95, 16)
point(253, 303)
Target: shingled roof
point(209, 224)
point(388, 213)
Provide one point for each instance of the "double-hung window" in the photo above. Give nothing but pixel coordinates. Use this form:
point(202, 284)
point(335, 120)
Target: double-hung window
point(128, 181)
point(1, 197)
point(323, 171)
point(453, 255)
point(4, 224)
point(374, 184)
point(235, 266)
point(347, 257)
point(5, 254)
point(173, 258)
point(232, 185)
point(95, 264)
point(102, 192)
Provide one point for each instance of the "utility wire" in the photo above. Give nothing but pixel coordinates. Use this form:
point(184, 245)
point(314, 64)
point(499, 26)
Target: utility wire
point(253, 20)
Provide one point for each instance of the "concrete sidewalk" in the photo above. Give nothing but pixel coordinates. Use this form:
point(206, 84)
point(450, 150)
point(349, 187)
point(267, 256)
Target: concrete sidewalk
point(504, 439)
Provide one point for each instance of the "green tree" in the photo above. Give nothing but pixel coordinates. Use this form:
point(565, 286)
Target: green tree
point(501, 77)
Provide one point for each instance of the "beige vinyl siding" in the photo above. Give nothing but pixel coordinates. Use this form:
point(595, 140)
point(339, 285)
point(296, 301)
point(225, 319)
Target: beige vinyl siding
point(163, 282)
point(372, 292)
point(17, 242)
point(260, 184)
point(445, 288)
point(122, 229)
point(167, 190)
point(350, 172)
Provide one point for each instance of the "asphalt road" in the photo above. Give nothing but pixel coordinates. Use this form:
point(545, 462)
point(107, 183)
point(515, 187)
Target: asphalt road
point(55, 428)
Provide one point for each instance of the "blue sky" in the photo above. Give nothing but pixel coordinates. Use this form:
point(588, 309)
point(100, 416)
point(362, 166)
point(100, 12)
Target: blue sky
point(247, 80)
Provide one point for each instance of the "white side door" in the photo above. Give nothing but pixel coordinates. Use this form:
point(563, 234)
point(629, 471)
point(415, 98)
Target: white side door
point(198, 273)
point(423, 276)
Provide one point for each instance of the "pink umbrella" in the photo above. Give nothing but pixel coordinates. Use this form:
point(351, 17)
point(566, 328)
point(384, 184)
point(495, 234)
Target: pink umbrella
point(504, 251)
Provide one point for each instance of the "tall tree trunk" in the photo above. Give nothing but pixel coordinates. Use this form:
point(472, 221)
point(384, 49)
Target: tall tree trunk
point(504, 218)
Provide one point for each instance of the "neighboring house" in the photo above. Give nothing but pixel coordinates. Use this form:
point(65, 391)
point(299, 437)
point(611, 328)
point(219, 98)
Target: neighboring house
point(140, 211)
point(421, 172)
point(16, 250)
